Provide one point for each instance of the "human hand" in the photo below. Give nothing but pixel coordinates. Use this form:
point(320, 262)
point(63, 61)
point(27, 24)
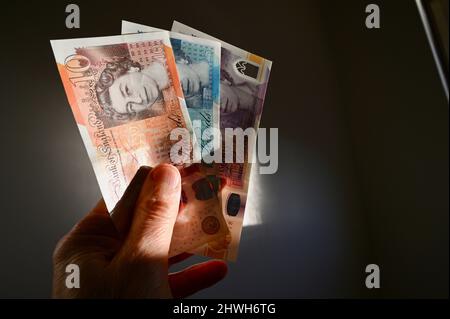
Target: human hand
point(126, 255)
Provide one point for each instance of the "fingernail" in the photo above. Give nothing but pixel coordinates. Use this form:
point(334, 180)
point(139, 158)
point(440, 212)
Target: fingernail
point(166, 176)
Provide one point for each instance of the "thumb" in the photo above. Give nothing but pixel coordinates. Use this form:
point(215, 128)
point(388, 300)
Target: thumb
point(155, 214)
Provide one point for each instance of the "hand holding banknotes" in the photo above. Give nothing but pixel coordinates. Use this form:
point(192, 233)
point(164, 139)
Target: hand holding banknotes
point(129, 94)
point(125, 255)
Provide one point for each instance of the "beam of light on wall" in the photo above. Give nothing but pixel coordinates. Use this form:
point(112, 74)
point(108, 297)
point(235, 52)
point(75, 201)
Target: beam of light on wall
point(253, 207)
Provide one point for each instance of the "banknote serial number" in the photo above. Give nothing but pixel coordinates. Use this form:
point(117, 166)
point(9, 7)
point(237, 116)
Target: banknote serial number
point(225, 308)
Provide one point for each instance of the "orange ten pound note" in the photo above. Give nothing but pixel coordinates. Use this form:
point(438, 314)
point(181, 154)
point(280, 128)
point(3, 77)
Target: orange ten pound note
point(126, 98)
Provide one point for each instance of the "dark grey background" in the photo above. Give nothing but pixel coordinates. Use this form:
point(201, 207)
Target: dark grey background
point(363, 157)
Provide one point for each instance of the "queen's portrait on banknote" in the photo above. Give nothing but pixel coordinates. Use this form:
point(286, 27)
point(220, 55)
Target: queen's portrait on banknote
point(128, 91)
point(194, 77)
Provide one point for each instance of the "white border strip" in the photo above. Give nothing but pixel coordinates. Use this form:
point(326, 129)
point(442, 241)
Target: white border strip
point(431, 41)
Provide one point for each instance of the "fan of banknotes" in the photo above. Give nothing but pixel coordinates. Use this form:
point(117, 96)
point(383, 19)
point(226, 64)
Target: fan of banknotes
point(129, 92)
